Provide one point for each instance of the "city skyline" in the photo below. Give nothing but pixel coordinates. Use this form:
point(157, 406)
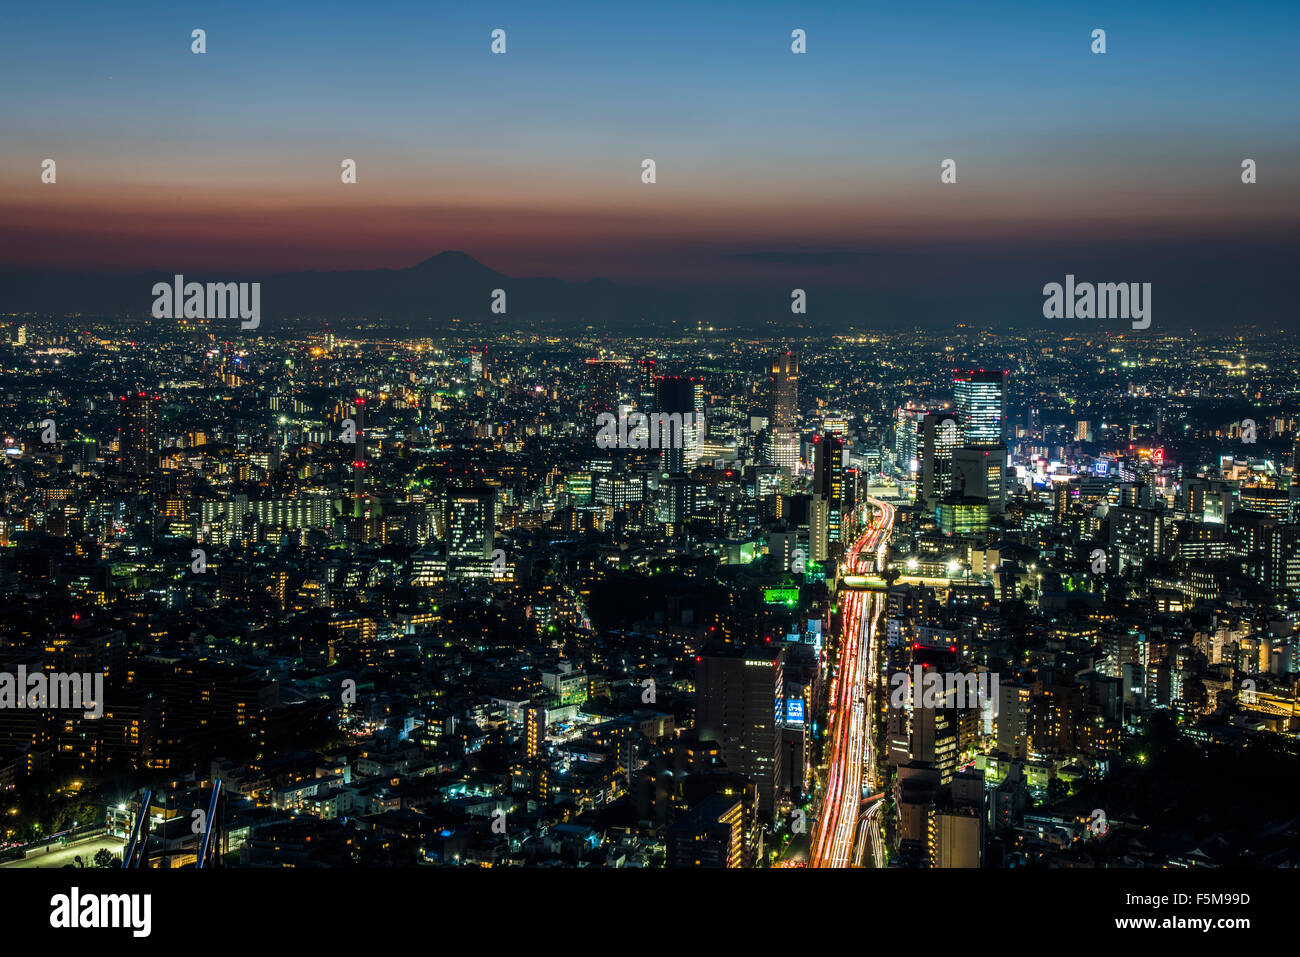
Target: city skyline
point(628, 444)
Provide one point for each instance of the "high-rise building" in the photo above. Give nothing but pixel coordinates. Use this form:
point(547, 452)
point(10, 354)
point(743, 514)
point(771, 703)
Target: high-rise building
point(783, 391)
point(1268, 500)
point(907, 425)
point(781, 448)
point(646, 373)
point(138, 434)
point(478, 362)
point(358, 415)
point(915, 789)
point(1136, 537)
point(782, 440)
point(939, 435)
point(739, 703)
point(934, 738)
point(697, 434)
point(534, 729)
point(471, 524)
point(980, 472)
point(365, 522)
point(532, 773)
point(677, 503)
point(980, 397)
point(675, 395)
point(826, 530)
point(1281, 565)
point(603, 385)
point(1012, 720)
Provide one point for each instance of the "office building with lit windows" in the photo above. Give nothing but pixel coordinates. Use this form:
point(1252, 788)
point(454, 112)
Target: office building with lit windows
point(980, 397)
point(739, 703)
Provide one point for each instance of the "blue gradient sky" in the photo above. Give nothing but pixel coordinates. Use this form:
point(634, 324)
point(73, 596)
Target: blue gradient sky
point(530, 161)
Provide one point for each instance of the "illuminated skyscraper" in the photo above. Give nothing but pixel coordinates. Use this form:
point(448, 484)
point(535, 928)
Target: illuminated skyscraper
point(365, 523)
point(695, 436)
point(907, 422)
point(828, 496)
point(470, 524)
point(646, 373)
point(939, 434)
point(478, 362)
point(534, 729)
point(934, 735)
point(783, 391)
point(782, 442)
point(358, 416)
point(980, 396)
point(137, 449)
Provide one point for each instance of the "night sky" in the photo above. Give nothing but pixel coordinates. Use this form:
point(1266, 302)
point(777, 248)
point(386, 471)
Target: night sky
point(770, 165)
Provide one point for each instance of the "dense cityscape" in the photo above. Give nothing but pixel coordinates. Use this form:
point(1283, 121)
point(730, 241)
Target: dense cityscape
point(906, 599)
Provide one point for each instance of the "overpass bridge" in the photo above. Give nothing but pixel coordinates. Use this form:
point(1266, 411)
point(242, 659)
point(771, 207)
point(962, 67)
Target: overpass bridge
point(864, 583)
